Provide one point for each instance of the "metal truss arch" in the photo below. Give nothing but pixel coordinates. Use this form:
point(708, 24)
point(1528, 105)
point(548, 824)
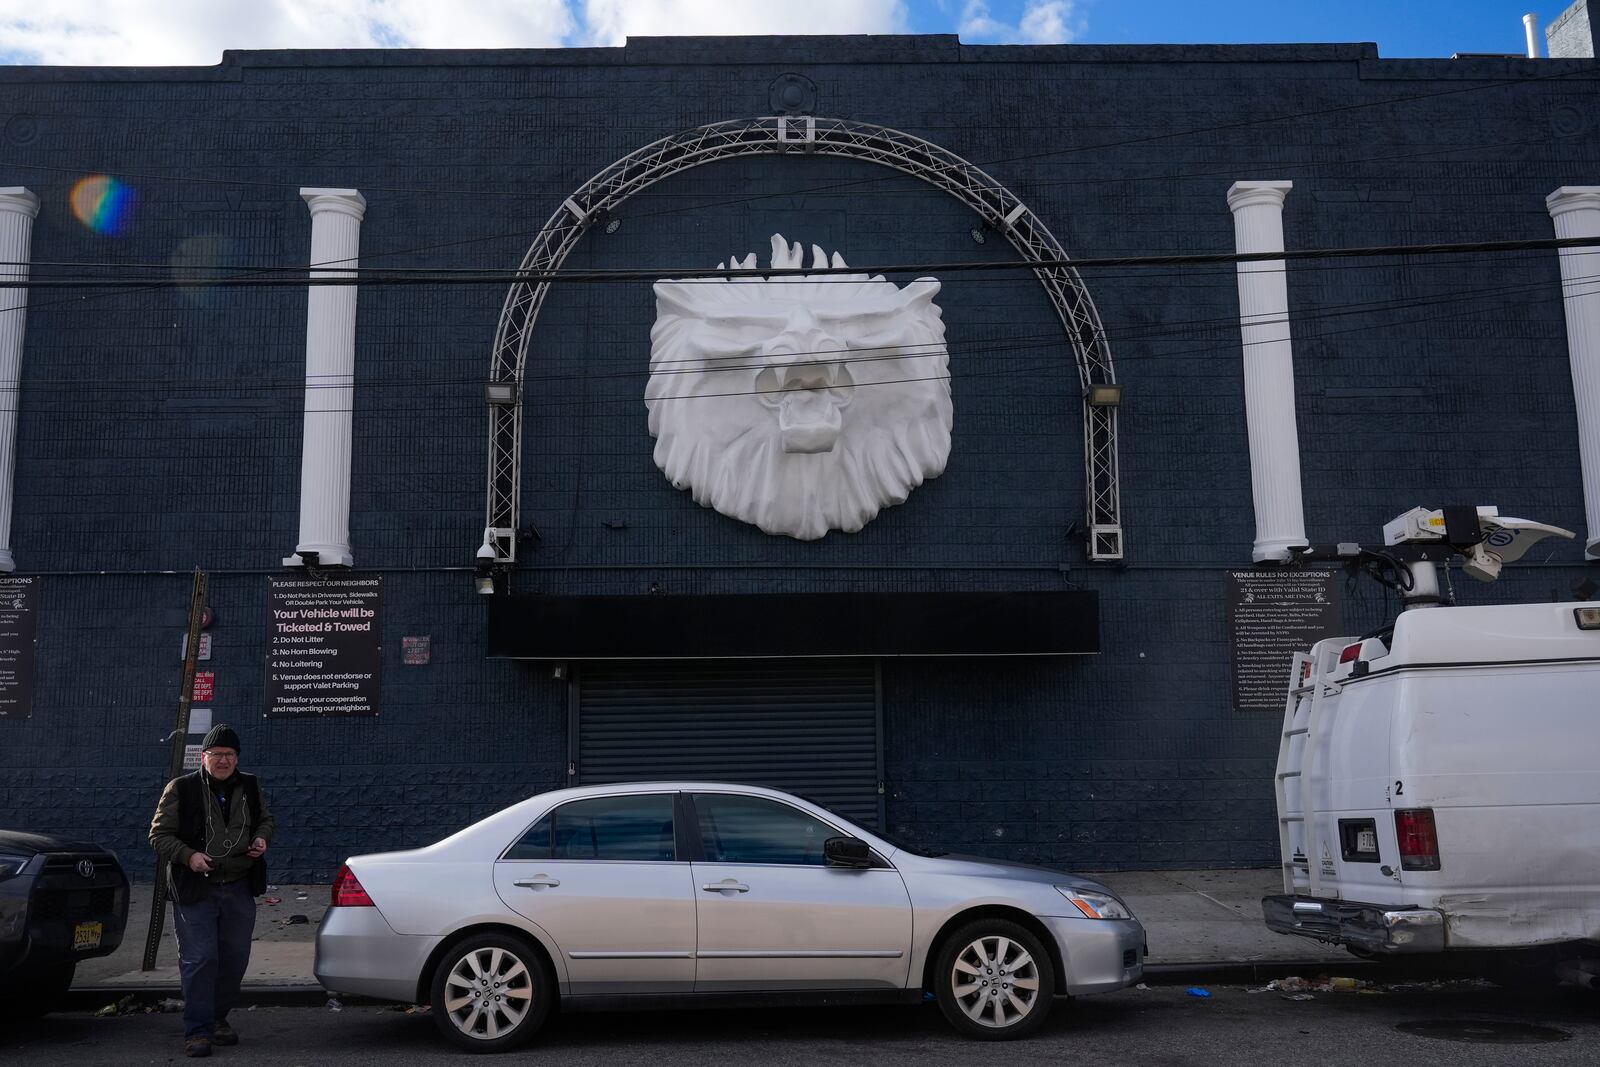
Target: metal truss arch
point(997, 206)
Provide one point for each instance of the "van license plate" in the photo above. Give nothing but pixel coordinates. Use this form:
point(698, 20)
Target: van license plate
point(86, 936)
point(1367, 841)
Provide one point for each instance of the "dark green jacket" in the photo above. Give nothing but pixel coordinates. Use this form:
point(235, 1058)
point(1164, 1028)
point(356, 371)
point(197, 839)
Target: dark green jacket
point(188, 819)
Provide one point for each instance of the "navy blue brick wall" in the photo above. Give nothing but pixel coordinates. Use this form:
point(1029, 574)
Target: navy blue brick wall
point(160, 429)
point(455, 739)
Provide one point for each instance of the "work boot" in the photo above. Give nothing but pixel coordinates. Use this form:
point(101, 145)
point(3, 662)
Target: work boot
point(223, 1034)
point(198, 1045)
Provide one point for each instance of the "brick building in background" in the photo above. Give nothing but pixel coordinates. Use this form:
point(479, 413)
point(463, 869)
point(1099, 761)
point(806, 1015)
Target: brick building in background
point(1030, 657)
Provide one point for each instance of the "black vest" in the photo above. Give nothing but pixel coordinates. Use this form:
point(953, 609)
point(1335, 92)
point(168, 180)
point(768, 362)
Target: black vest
point(186, 886)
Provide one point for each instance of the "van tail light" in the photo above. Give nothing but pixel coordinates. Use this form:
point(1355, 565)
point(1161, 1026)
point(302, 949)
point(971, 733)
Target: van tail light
point(347, 891)
point(1350, 653)
point(1419, 841)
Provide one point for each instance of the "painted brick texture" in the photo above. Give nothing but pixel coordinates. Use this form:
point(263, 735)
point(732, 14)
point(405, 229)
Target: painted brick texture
point(160, 429)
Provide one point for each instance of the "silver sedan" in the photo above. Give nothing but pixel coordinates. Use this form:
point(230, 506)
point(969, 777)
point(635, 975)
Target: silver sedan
point(672, 893)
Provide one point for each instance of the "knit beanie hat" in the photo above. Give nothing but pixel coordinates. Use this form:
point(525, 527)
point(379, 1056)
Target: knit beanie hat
point(221, 736)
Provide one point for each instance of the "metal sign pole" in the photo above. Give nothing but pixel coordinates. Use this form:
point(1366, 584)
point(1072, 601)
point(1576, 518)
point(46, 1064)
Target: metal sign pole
point(180, 739)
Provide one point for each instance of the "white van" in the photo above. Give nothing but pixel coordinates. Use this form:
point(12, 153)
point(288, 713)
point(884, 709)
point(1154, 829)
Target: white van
point(1438, 790)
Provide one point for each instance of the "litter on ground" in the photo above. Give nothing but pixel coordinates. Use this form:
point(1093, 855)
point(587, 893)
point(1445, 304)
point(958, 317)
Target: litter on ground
point(1319, 984)
point(132, 1004)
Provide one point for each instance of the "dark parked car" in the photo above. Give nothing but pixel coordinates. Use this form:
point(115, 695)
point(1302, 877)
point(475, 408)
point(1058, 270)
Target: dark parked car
point(60, 902)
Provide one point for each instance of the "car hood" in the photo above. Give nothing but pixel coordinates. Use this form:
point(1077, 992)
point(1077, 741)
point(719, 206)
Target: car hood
point(983, 867)
point(32, 844)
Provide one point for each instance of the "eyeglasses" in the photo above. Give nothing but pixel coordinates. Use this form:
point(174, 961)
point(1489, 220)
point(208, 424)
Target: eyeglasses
point(214, 754)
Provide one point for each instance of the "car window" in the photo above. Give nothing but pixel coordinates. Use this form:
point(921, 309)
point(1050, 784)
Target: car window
point(737, 829)
point(610, 828)
point(533, 845)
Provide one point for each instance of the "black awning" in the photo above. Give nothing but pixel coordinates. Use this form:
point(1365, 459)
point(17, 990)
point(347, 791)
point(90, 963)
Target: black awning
point(794, 624)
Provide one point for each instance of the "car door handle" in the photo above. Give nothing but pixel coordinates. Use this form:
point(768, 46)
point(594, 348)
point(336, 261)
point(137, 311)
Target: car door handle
point(729, 886)
point(541, 882)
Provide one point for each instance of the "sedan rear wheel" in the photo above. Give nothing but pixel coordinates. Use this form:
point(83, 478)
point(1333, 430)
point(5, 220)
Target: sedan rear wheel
point(993, 980)
point(491, 993)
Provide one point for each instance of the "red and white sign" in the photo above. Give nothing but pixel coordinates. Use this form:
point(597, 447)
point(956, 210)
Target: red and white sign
point(205, 686)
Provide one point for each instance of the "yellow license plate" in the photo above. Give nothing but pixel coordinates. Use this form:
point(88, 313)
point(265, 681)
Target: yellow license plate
point(87, 936)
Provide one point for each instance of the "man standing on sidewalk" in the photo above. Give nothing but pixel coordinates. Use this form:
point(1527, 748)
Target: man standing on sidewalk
point(212, 828)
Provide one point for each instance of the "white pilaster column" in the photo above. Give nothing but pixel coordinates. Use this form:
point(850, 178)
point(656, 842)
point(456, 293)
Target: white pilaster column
point(1268, 369)
point(18, 208)
point(1575, 210)
point(336, 216)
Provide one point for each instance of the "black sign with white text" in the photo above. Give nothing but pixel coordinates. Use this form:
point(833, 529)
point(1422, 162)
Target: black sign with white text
point(19, 629)
point(324, 646)
point(1272, 614)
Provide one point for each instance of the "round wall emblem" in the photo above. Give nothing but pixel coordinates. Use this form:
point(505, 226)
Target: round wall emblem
point(22, 129)
point(1568, 121)
point(793, 94)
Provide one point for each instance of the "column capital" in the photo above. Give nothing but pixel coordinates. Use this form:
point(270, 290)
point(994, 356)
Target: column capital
point(1573, 198)
point(1257, 194)
point(345, 201)
point(20, 200)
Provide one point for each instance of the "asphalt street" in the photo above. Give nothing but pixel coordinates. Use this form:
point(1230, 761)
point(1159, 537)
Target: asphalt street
point(1450, 1024)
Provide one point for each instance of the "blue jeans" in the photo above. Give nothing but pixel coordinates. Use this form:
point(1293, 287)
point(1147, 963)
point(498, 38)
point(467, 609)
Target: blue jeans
point(213, 952)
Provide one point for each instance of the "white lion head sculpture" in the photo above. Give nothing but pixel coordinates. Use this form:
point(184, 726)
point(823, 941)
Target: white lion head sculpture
point(804, 403)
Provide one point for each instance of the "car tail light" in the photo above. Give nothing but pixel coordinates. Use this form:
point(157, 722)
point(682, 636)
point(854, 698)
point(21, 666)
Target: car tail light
point(347, 891)
point(1350, 653)
point(1419, 841)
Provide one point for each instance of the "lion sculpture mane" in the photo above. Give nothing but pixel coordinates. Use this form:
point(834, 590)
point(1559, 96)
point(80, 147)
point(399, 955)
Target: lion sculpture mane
point(802, 403)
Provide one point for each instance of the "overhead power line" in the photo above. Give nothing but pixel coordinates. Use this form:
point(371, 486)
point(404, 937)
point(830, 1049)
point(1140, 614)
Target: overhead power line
point(1183, 329)
point(468, 276)
point(426, 389)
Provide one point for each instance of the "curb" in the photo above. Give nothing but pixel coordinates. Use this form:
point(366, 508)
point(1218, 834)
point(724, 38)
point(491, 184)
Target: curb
point(92, 998)
point(1202, 972)
point(1228, 972)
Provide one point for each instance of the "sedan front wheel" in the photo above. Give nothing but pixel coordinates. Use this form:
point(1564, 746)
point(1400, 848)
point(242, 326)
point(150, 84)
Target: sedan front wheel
point(491, 993)
point(993, 980)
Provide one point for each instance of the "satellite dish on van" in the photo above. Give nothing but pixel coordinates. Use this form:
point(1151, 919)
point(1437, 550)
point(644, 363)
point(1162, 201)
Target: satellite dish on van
point(1485, 540)
point(1509, 538)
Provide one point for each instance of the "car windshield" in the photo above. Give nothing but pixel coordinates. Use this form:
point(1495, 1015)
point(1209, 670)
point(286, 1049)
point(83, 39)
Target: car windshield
point(915, 850)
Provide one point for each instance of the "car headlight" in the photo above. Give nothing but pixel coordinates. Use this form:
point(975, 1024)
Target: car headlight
point(1095, 905)
point(11, 864)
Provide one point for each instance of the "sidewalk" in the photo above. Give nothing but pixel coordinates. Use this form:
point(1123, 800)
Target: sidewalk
point(1202, 926)
point(280, 958)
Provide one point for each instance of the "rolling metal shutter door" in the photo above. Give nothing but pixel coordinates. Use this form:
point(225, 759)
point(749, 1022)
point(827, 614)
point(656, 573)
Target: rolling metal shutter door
point(806, 726)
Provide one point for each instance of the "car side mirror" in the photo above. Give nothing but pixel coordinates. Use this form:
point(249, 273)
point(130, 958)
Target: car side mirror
point(846, 852)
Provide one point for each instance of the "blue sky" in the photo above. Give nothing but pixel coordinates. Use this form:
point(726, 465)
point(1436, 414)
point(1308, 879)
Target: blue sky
point(1401, 28)
point(194, 32)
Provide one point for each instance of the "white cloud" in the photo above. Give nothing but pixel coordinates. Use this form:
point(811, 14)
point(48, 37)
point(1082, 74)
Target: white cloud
point(1046, 23)
point(468, 24)
point(976, 25)
point(194, 32)
point(1042, 22)
point(613, 21)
